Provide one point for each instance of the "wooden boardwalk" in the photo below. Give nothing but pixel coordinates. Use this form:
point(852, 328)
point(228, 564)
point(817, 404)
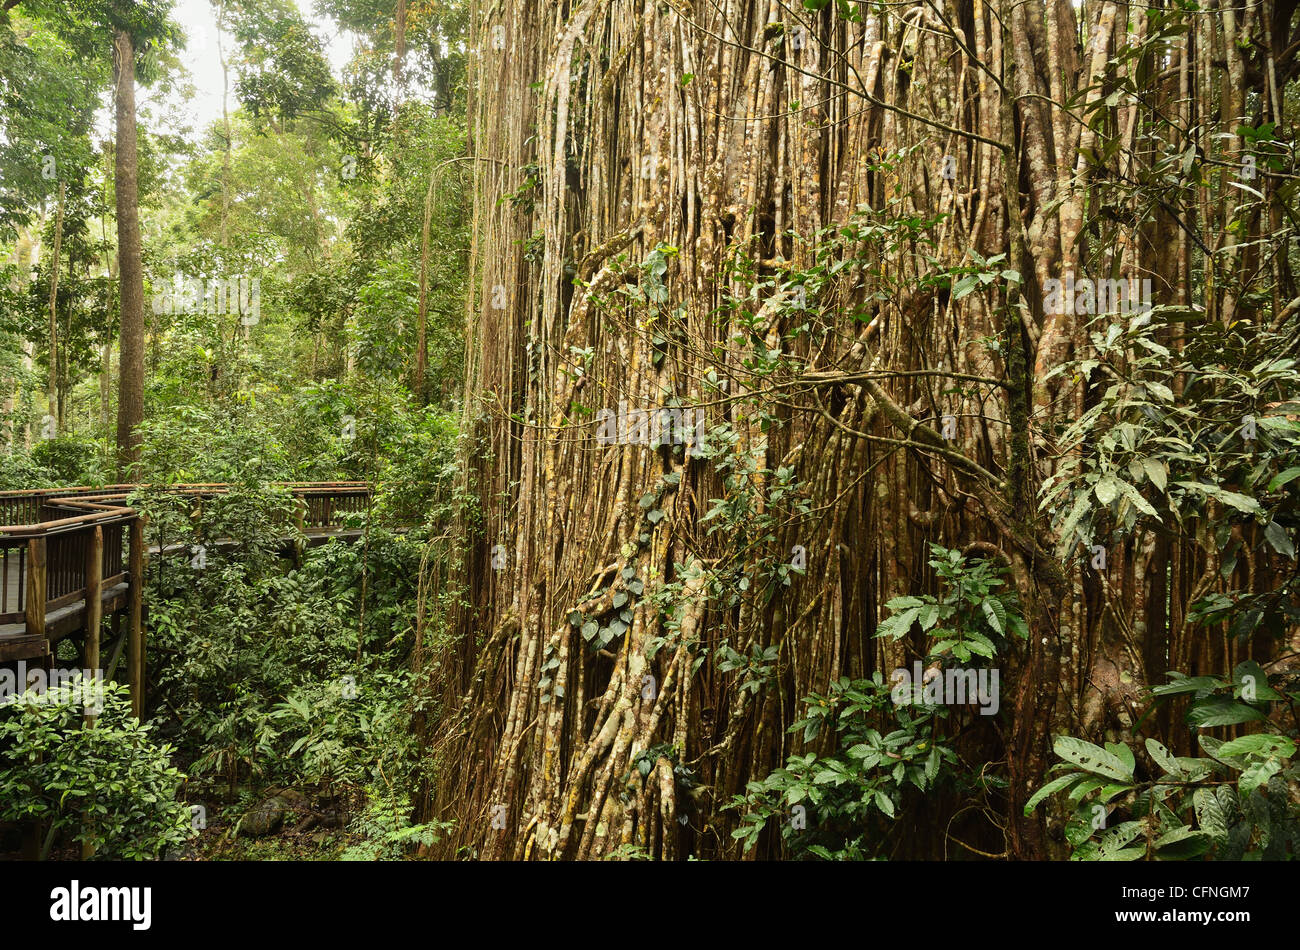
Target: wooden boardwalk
point(69, 558)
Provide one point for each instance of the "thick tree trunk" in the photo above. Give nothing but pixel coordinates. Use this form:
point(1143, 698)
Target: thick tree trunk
point(705, 149)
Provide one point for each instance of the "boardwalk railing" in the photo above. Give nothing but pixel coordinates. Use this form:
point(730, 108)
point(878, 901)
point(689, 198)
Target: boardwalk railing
point(58, 526)
point(64, 548)
point(44, 550)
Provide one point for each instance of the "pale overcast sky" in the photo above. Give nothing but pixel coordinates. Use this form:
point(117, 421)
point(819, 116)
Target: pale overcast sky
point(199, 20)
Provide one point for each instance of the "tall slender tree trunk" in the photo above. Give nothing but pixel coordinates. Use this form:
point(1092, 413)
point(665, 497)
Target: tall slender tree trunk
point(110, 274)
point(420, 384)
point(52, 387)
point(130, 396)
point(399, 50)
point(29, 349)
point(12, 393)
point(225, 128)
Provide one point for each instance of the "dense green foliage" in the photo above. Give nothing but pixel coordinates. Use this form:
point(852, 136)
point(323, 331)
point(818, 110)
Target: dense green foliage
point(299, 327)
point(111, 786)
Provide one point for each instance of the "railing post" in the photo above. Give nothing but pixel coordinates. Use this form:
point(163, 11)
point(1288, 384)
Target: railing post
point(93, 615)
point(94, 596)
point(300, 522)
point(36, 586)
point(135, 617)
point(35, 623)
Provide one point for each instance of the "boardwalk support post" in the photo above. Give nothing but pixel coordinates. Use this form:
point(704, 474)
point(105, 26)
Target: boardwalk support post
point(36, 586)
point(94, 597)
point(35, 622)
point(299, 522)
point(135, 617)
point(93, 616)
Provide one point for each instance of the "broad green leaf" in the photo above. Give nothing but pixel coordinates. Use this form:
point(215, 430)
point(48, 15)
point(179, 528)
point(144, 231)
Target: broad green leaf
point(1051, 788)
point(1086, 786)
point(1091, 758)
point(1108, 488)
point(1156, 471)
point(1164, 758)
point(1124, 754)
point(1182, 843)
point(1258, 774)
point(1261, 744)
point(1219, 711)
point(1111, 846)
point(995, 614)
point(1209, 814)
point(1211, 746)
point(1232, 499)
point(1187, 684)
point(1279, 540)
point(1256, 688)
point(1282, 478)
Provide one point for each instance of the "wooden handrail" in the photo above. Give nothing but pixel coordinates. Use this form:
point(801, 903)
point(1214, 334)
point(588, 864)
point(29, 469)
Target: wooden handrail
point(93, 498)
point(64, 525)
point(49, 553)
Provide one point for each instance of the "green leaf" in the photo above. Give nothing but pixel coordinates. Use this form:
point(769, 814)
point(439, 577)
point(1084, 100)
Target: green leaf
point(1140, 503)
point(1182, 843)
point(964, 286)
point(1156, 472)
point(1164, 758)
point(1085, 787)
point(1091, 758)
point(1230, 498)
point(1279, 540)
point(1211, 746)
point(1209, 814)
point(1258, 682)
point(1281, 478)
point(1187, 684)
point(1159, 390)
point(932, 763)
point(1258, 774)
point(1261, 744)
point(898, 625)
point(1051, 788)
point(1112, 843)
point(1124, 754)
point(1220, 711)
point(1081, 504)
point(1108, 488)
point(995, 614)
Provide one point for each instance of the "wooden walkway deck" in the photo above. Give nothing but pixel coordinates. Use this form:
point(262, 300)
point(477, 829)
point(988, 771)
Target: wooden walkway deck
point(71, 557)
